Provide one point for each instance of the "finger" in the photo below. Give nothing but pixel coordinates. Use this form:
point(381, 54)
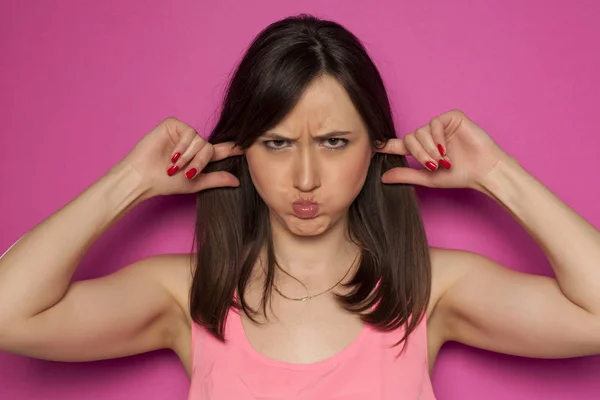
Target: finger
point(425, 136)
point(437, 133)
point(196, 145)
point(451, 121)
point(201, 158)
point(216, 179)
point(226, 149)
point(393, 146)
point(408, 175)
point(181, 134)
point(418, 151)
point(439, 138)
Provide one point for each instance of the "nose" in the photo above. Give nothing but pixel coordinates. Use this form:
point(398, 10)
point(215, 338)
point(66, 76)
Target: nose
point(306, 171)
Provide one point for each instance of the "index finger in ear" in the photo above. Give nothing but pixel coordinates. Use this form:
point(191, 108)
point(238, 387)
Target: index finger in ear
point(224, 150)
point(393, 146)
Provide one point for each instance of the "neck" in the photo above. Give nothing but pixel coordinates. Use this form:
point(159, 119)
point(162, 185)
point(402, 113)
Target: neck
point(316, 261)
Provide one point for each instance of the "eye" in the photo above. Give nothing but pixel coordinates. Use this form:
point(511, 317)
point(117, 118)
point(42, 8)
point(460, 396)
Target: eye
point(277, 144)
point(336, 143)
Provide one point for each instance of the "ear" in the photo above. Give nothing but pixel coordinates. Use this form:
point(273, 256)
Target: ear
point(377, 144)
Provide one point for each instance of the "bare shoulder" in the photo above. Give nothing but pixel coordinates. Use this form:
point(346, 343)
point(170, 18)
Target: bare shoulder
point(174, 271)
point(446, 269)
point(176, 274)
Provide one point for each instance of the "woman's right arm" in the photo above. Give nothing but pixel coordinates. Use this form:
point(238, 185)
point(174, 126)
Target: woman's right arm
point(134, 310)
point(43, 315)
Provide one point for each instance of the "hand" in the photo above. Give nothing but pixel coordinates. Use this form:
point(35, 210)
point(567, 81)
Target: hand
point(469, 154)
point(155, 158)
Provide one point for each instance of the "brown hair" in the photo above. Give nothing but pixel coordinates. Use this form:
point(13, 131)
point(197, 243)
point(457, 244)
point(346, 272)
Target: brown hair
point(232, 224)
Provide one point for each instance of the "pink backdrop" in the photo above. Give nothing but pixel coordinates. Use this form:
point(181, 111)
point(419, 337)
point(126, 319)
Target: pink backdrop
point(81, 82)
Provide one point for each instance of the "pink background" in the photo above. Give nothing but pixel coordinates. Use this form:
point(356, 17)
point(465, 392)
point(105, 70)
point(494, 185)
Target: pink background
point(82, 82)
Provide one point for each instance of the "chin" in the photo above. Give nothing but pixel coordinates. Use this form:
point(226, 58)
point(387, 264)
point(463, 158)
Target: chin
point(307, 227)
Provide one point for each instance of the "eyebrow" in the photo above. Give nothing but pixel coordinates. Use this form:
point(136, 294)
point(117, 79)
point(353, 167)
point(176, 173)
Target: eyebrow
point(327, 135)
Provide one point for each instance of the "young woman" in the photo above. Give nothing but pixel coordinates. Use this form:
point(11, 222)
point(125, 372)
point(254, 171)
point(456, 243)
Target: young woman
point(312, 276)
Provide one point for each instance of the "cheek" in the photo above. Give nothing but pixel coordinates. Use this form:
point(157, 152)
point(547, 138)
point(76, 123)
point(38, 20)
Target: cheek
point(348, 179)
point(265, 175)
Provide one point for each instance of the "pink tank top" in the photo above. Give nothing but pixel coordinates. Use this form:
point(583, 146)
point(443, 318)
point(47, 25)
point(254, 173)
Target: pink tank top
point(368, 368)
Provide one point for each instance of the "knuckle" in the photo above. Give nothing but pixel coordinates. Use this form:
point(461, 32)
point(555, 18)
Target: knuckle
point(409, 139)
point(188, 150)
point(204, 155)
point(170, 120)
point(209, 148)
point(421, 132)
point(194, 147)
point(189, 131)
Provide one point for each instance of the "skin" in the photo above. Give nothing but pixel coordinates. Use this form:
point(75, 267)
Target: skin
point(475, 300)
point(291, 162)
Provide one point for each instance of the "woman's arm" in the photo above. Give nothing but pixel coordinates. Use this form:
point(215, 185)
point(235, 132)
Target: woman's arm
point(43, 315)
point(474, 299)
point(488, 306)
point(571, 244)
point(139, 308)
point(37, 270)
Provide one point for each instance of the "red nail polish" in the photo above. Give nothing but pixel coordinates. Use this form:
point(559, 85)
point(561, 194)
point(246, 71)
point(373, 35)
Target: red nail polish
point(431, 166)
point(176, 157)
point(171, 171)
point(441, 149)
point(190, 174)
point(445, 163)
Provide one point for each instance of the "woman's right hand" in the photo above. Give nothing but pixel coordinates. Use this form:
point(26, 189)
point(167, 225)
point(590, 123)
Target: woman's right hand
point(155, 158)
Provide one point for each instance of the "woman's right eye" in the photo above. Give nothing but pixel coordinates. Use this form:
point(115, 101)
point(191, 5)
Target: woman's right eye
point(276, 144)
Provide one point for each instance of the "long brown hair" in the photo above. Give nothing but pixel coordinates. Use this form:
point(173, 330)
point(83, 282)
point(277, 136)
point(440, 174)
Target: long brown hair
point(232, 224)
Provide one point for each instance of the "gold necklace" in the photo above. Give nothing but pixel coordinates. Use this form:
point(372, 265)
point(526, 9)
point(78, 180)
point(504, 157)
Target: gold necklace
point(318, 294)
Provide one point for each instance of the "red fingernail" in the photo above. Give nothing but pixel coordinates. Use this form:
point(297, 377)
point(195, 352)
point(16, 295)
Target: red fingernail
point(441, 149)
point(445, 163)
point(176, 157)
point(171, 171)
point(190, 174)
point(431, 166)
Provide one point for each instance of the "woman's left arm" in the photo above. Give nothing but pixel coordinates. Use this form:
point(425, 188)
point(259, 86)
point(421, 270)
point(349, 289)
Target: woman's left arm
point(482, 303)
point(571, 244)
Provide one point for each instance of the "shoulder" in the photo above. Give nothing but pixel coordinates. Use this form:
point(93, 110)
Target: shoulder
point(174, 272)
point(447, 267)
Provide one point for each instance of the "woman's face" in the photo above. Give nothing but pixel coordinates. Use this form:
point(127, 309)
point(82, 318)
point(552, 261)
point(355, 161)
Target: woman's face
point(310, 167)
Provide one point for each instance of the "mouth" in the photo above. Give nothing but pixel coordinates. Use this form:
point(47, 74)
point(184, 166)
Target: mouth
point(305, 209)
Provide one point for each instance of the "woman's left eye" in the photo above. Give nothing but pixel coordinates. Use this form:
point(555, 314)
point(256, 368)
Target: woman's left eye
point(336, 143)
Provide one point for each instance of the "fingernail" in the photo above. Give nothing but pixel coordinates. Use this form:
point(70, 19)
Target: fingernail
point(171, 171)
point(441, 149)
point(176, 157)
point(191, 172)
point(445, 163)
point(431, 165)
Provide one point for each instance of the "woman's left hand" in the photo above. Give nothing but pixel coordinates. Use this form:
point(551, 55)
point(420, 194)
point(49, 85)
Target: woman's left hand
point(455, 151)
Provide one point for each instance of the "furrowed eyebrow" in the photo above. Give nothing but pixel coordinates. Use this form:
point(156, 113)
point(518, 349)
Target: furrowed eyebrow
point(275, 136)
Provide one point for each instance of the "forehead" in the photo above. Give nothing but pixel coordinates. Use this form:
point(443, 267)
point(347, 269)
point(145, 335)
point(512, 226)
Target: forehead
point(325, 104)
